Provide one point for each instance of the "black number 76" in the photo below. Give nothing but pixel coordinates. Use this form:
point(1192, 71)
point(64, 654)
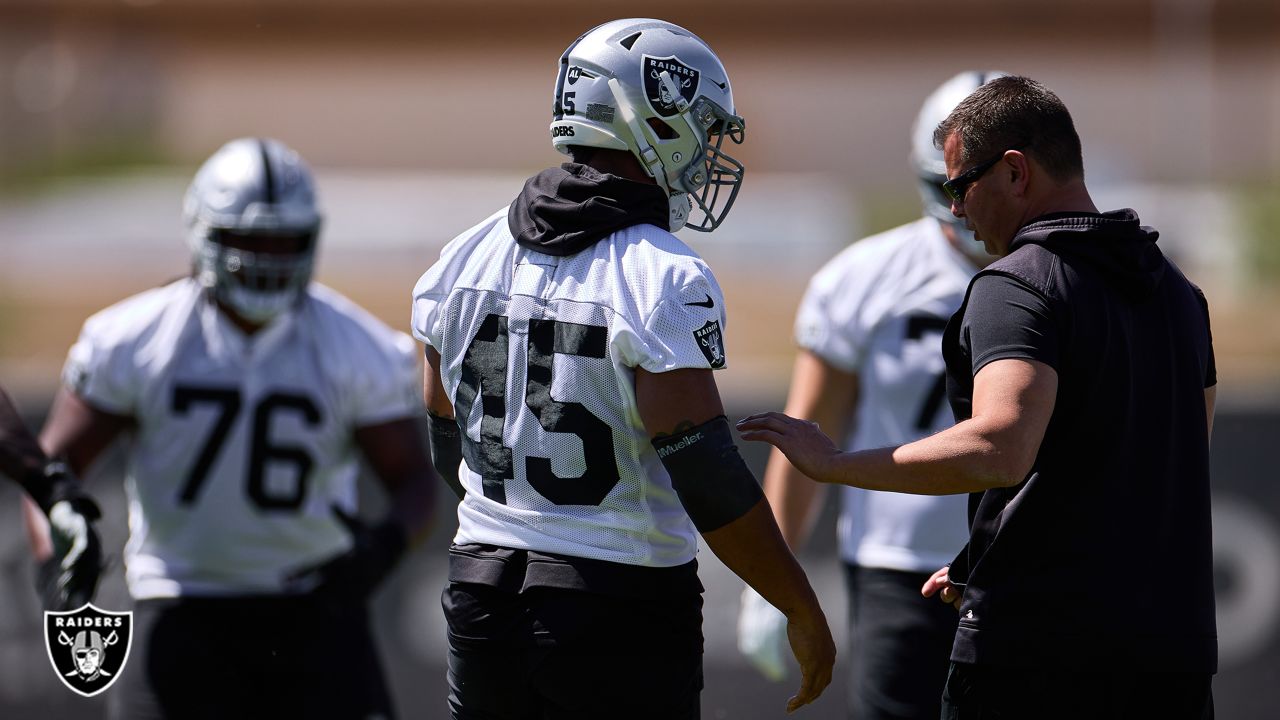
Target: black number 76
point(262, 450)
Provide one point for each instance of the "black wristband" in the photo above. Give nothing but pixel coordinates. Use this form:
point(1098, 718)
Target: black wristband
point(446, 450)
point(708, 474)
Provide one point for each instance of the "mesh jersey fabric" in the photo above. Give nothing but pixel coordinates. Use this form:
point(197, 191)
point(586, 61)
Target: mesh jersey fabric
point(538, 355)
point(242, 444)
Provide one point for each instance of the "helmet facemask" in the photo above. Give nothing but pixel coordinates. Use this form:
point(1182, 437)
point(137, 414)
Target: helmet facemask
point(256, 285)
point(718, 172)
point(252, 226)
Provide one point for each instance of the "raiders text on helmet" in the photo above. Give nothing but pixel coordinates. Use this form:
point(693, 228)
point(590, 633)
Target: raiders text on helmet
point(249, 190)
point(927, 160)
point(658, 91)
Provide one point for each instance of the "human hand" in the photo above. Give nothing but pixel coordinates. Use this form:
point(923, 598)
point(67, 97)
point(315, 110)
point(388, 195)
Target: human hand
point(355, 573)
point(762, 629)
point(815, 650)
point(940, 584)
point(803, 442)
point(68, 579)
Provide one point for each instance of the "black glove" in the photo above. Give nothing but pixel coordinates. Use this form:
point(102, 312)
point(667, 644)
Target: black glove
point(68, 579)
point(354, 574)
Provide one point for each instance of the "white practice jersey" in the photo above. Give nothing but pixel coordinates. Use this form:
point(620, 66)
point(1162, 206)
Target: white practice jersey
point(242, 445)
point(538, 354)
point(878, 309)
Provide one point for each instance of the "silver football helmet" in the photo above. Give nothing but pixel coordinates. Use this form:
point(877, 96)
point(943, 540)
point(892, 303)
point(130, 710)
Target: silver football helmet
point(658, 91)
point(927, 160)
point(250, 190)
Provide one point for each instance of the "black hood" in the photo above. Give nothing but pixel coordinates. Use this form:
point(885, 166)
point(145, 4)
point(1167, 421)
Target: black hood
point(564, 210)
point(1115, 243)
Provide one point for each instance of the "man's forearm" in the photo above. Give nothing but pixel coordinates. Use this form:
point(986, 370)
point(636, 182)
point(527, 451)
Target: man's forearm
point(958, 460)
point(997, 447)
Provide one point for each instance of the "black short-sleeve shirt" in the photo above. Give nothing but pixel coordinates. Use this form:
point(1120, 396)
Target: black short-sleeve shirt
point(1058, 567)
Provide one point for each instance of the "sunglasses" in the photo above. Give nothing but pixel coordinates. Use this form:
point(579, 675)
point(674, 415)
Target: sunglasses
point(956, 187)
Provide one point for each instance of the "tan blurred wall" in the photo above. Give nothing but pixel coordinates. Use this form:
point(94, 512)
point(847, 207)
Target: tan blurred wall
point(1168, 93)
point(1162, 90)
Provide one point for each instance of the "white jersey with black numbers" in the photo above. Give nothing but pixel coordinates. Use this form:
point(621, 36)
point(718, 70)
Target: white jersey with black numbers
point(242, 445)
point(878, 310)
point(538, 354)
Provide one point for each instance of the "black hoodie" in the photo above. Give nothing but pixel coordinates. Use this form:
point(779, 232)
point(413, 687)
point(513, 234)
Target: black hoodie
point(1101, 558)
point(564, 210)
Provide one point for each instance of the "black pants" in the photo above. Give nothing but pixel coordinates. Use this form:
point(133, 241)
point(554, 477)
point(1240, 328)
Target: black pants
point(551, 653)
point(982, 692)
point(899, 645)
point(262, 657)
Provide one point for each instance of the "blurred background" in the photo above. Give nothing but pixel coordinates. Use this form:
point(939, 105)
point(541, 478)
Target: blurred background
point(421, 117)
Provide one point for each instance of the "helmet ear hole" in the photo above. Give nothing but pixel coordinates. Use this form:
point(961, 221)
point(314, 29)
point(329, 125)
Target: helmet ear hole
point(661, 129)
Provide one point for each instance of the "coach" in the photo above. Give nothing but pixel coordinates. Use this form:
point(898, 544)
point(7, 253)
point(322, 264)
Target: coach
point(1081, 372)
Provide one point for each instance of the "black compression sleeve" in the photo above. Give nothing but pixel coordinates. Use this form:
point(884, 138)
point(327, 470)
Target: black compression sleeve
point(446, 450)
point(713, 483)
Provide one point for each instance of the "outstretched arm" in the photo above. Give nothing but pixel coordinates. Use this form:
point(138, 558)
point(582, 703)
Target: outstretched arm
point(1013, 400)
point(684, 405)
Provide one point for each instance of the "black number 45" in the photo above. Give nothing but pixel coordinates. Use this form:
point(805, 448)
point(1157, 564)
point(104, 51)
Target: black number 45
point(262, 449)
point(484, 376)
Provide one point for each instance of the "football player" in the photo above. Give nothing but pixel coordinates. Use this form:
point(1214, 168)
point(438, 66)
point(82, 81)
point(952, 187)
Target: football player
point(68, 578)
point(250, 395)
point(571, 339)
point(870, 371)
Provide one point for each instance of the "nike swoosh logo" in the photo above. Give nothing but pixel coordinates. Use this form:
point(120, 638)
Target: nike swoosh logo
point(722, 86)
point(708, 303)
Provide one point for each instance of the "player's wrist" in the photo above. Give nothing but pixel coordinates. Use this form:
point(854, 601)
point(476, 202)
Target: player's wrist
point(802, 606)
point(52, 483)
point(807, 614)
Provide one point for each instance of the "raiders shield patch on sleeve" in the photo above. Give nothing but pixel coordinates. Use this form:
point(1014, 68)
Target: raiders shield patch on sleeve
point(711, 342)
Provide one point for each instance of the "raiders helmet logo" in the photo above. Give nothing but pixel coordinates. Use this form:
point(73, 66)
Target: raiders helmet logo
point(711, 342)
point(575, 72)
point(88, 647)
point(658, 93)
